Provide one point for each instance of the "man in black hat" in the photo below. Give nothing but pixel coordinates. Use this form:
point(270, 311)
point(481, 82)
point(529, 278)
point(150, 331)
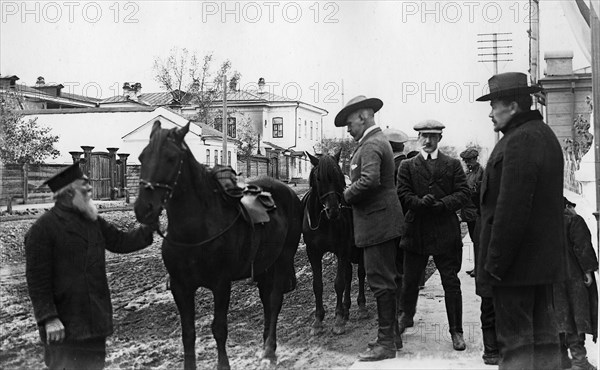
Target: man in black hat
point(522, 250)
point(377, 217)
point(471, 211)
point(432, 187)
point(66, 273)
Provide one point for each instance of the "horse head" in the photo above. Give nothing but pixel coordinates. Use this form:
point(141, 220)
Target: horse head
point(161, 165)
point(327, 180)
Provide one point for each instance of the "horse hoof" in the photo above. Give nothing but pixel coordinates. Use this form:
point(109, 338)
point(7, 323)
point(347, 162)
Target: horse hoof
point(316, 331)
point(339, 329)
point(267, 364)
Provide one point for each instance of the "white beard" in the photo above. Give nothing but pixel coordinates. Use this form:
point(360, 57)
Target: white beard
point(87, 207)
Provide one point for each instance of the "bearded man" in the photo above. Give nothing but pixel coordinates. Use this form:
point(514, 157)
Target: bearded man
point(66, 273)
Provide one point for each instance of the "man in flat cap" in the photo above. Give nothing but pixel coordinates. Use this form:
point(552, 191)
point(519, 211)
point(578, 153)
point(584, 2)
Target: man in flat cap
point(471, 211)
point(432, 187)
point(522, 251)
point(66, 273)
point(377, 216)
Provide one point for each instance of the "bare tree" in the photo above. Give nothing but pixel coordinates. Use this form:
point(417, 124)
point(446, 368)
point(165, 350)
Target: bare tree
point(191, 81)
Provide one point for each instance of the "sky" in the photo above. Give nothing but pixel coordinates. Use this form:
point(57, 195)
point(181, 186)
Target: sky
point(419, 57)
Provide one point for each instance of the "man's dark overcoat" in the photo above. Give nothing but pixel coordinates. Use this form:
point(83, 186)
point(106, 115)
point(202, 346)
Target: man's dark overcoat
point(577, 305)
point(522, 233)
point(427, 232)
point(66, 270)
point(377, 213)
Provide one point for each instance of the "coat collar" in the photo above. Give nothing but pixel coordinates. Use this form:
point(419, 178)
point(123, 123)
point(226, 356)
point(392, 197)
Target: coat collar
point(523, 117)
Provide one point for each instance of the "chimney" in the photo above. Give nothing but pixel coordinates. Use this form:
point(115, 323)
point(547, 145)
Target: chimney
point(40, 81)
point(132, 90)
point(261, 85)
point(559, 63)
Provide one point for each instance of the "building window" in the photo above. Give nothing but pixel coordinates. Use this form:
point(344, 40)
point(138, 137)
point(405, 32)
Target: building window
point(277, 127)
point(231, 127)
point(316, 130)
point(216, 156)
point(299, 127)
point(311, 130)
point(208, 157)
point(299, 166)
point(229, 157)
point(305, 129)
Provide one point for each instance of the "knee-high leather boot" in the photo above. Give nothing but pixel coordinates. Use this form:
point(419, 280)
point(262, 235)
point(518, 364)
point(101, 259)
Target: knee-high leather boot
point(454, 312)
point(491, 356)
point(386, 333)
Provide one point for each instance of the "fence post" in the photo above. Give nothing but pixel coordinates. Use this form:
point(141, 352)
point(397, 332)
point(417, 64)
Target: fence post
point(25, 182)
point(76, 156)
point(123, 185)
point(112, 168)
point(87, 156)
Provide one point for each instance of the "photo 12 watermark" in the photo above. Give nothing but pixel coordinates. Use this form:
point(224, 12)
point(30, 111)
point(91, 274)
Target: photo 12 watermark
point(466, 11)
point(269, 11)
point(442, 92)
point(70, 11)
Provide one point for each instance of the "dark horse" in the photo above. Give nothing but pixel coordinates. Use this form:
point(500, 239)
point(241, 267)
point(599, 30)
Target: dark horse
point(327, 227)
point(209, 241)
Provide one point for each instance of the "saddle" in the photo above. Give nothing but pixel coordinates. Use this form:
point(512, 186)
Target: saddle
point(254, 200)
point(257, 203)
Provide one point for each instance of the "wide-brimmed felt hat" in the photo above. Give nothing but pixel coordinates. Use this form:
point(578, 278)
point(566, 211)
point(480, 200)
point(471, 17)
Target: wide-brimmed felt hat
point(64, 177)
point(429, 126)
point(395, 136)
point(359, 102)
point(509, 84)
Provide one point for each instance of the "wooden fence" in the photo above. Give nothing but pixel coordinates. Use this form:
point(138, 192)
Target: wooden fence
point(111, 178)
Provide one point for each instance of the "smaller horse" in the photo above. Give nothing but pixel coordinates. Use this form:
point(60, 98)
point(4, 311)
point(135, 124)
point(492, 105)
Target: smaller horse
point(327, 227)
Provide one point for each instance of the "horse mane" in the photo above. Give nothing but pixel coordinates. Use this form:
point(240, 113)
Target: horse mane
point(328, 171)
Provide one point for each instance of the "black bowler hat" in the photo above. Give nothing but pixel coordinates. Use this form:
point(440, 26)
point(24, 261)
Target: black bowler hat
point(355, 104)
point(509, 84)
point(64, 177)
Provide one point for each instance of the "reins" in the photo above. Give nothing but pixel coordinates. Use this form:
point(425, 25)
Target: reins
point(168, 195)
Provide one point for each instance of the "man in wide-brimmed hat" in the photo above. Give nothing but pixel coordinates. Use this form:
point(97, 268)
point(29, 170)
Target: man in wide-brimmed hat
point(66, 273)
point(522, 250)
point(377, 217)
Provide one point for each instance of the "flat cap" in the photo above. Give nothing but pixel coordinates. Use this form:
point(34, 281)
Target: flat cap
point(429, 126)
point(395, 136)
point(469, 153)
point(64, 177)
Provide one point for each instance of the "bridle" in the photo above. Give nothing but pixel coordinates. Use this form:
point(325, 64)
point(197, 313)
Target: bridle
point(324, 207)
point(170, 187)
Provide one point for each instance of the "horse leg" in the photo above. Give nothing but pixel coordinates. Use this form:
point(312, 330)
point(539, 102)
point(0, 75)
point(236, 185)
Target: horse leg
point(221, 296)
point(271, 294)
point(347, 290)
point(340, 283)
point(361, 300)
point(316, 264)
point(184, 299)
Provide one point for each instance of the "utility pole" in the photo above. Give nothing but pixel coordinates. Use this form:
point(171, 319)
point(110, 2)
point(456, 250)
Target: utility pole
point(225, 119)
point(595, 30)
point(534, 44)
point(494, 49)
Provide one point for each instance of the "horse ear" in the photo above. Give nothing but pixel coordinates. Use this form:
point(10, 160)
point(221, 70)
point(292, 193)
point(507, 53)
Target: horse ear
point(314, 160)
point(337, 155)
point(181, 132)
point(155, 128)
